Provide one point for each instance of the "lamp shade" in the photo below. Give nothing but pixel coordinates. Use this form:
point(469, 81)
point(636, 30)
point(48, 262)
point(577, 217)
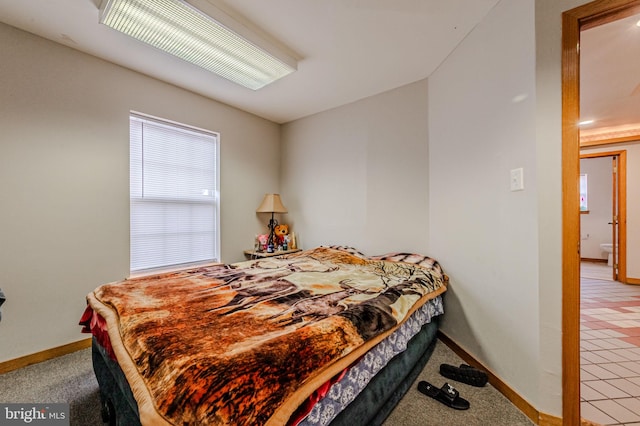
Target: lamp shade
point(271, 204)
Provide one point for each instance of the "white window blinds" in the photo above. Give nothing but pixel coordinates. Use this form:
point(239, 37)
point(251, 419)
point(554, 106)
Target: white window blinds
point(174, 194)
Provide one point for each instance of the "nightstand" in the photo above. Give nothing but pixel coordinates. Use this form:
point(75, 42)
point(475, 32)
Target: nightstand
point(252, 254)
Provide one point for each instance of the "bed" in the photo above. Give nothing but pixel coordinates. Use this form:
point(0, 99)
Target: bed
point(321, 336)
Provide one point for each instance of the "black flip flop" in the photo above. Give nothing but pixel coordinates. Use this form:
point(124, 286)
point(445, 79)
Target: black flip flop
point(464, 374)
point(447, 394)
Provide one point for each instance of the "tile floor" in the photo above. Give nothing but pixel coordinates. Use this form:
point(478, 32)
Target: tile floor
point(609, 348)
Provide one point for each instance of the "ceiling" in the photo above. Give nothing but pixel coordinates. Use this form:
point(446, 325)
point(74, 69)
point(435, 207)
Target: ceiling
point(347, 50)
point(610, 78)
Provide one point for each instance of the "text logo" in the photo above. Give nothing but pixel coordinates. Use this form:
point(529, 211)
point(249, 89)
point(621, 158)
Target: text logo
point(34, 414)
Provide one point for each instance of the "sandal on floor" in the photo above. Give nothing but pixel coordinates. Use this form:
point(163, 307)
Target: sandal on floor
point(447, 394)
point(464, 374)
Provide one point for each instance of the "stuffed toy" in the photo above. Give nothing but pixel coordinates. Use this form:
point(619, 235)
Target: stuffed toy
point(281, 232)
point(262, 242)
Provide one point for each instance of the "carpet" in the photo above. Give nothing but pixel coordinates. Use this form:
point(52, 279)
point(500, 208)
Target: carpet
point(488, 406)
point(70, 379)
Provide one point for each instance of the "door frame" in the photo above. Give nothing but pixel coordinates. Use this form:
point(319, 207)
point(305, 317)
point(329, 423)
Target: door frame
point(619, 198)
point(573, 21)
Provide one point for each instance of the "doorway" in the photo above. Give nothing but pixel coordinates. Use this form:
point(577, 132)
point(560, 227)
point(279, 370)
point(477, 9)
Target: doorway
point(614, 215)
point(573, 21)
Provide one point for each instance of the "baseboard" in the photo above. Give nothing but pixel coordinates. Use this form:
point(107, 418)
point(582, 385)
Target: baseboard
point(14, 364)
point(549, 420)
point(635, 281)
point(522, 404)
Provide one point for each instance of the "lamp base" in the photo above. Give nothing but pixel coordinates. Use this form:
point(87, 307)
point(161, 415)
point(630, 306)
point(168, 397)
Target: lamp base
point(271, 241)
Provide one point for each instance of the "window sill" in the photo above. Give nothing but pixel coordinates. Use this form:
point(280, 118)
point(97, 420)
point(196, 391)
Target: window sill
point(174, 268)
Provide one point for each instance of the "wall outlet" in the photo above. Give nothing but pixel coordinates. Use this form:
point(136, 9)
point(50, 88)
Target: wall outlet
point(517, 179)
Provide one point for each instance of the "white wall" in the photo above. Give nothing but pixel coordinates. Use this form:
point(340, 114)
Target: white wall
point(482, 125)
point(633, 202)
point(358, 175)
point(594, 226)
point(64, 177)
point(503, 249)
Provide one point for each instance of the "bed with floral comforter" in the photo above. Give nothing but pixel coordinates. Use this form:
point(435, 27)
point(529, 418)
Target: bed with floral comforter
point(249, 343)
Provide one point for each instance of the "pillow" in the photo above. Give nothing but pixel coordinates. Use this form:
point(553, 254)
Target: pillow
point(417, 259)
point(350, 250)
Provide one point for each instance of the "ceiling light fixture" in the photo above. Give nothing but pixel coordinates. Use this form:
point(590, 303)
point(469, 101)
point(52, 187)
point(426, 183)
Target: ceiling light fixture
point(180, 29)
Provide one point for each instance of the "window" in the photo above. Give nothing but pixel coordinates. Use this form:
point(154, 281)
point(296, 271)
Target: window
point(584, 205)
point(174, 185)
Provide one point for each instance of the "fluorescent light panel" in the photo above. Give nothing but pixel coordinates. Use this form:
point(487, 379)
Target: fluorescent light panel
point(183, 31)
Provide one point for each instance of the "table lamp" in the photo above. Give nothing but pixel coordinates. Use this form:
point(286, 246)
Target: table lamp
point(271, 204)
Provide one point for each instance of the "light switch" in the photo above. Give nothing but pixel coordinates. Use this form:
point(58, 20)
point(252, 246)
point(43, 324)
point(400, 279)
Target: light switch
point(517, 179)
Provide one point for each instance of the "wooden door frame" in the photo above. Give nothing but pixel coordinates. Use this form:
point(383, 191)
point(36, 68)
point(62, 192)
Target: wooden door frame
point(621, 190)
point(573, 21)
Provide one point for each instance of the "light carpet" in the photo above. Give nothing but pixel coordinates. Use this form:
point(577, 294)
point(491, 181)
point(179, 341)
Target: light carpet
point(70, 379)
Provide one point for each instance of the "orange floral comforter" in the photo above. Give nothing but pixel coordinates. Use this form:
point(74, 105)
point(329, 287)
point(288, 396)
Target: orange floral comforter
point(246, 343)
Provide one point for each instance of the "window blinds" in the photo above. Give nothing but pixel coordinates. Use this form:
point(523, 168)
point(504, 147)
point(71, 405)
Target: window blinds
point(174, 194)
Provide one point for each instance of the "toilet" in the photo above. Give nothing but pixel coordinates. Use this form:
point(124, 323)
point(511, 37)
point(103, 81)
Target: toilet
point(608, 247)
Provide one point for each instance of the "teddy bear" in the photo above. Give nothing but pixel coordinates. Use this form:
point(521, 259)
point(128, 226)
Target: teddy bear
point(281, 232)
